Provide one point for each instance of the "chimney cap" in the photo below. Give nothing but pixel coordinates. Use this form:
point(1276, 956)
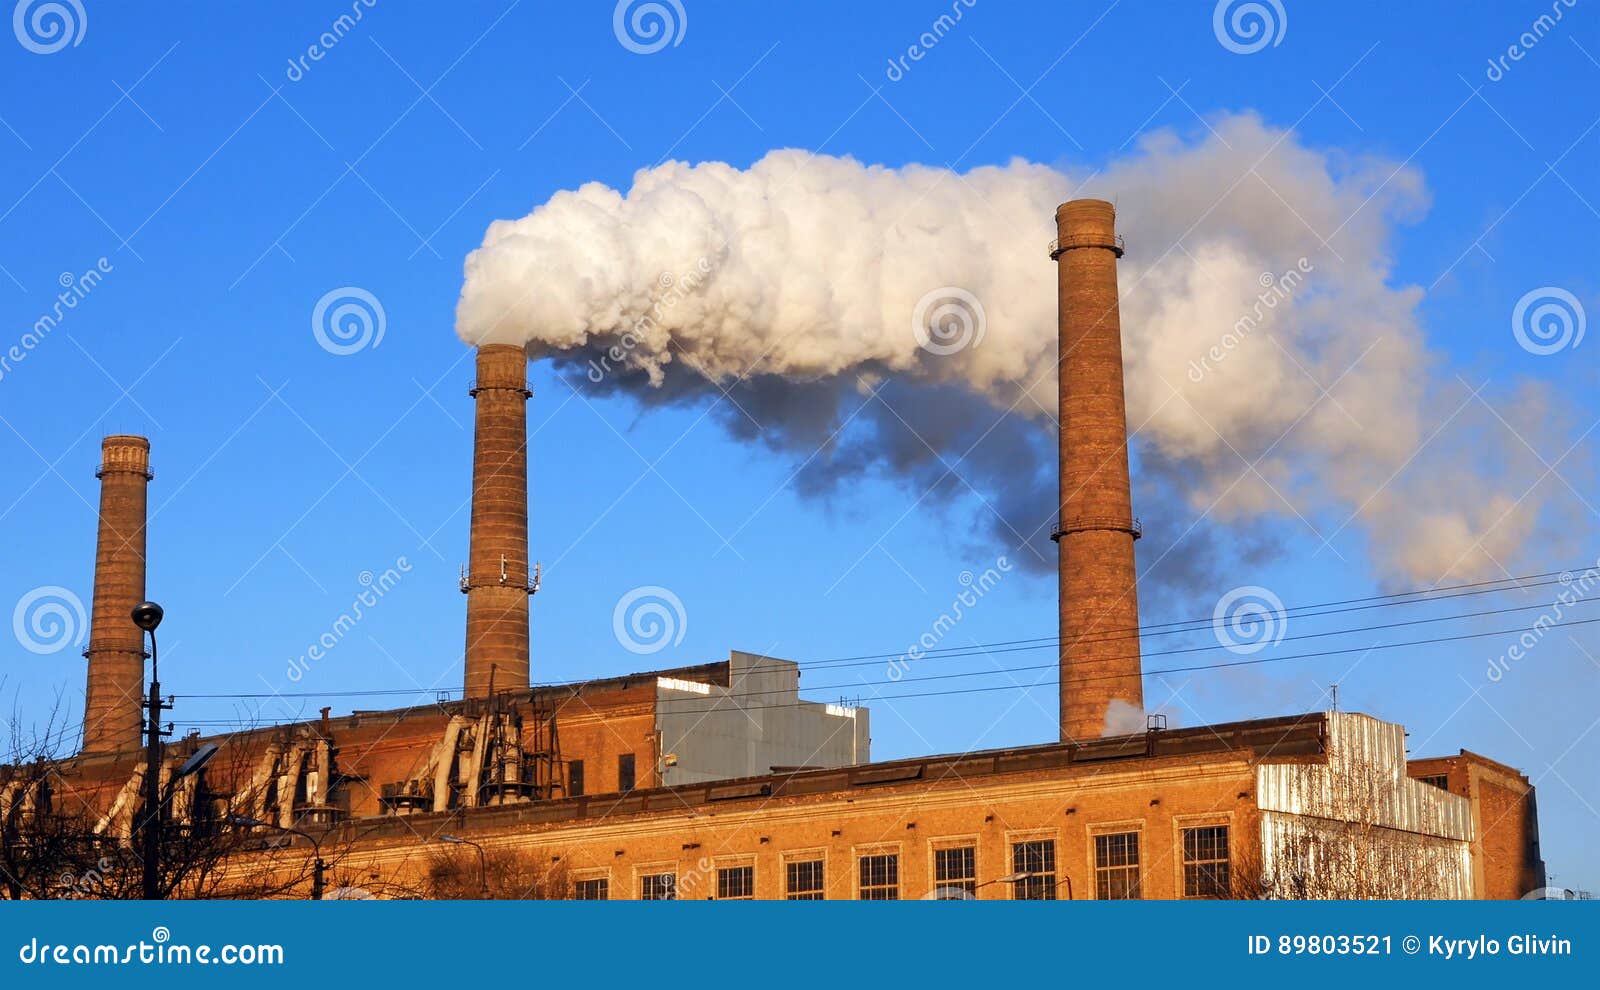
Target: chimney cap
point(502, 350)
point(1097, 207)
point(1080, 217)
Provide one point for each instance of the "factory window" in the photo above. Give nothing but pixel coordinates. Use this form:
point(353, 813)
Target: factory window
point(658, 887)
point(804, 880)
point(1116, 866)
point(598, 889)
point(956, 869)
point(574, 778)
point(880, 877)
point(625, 772)
point(737, 883)
point(1205, 862)
point(1037, 862)
point(1441, 781)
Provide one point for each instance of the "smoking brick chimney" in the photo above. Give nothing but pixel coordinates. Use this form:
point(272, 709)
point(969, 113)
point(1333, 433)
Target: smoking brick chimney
point(497, 581)
point(116, 654)
point(1099, 603)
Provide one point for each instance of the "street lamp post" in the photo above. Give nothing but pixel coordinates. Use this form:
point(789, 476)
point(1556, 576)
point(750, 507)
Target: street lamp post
point(1016, 878)
point(318, 867)
point(483, 866)
point(1012, 878)
point(147, 616)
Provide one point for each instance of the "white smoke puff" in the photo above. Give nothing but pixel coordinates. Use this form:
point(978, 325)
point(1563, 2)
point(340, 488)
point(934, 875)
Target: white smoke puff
point(1123, 719)
point(812, 266)
point(816, 264)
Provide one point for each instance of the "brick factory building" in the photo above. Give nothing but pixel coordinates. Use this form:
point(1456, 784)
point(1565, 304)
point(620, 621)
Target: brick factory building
point(719, 780)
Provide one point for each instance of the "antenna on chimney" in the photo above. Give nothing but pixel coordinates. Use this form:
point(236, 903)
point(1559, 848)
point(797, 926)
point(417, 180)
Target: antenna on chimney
point(538, 573)
point(1335, 692)
point(465, 586)
point(502, 568)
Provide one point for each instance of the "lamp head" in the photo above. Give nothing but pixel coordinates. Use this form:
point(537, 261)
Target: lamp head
point(147, 615)
point(198, 760)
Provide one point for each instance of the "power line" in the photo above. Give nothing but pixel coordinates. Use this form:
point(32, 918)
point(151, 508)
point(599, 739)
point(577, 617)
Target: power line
point(1296, 612)
point(954, 653)
point(717, 702)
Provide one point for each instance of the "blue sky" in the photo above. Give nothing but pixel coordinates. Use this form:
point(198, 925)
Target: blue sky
point(228, 193)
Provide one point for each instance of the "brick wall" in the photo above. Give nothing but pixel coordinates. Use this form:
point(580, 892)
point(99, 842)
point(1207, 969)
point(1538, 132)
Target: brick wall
point(1505, 850)
point(909, 821)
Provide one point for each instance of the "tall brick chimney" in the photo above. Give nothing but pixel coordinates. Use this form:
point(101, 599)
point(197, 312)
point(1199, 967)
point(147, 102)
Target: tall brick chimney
point(1098, 600)
point(497, 581)
point(112, 715)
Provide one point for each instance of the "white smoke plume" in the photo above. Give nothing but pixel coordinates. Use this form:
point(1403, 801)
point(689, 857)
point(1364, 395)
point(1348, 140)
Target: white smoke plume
point(901, 321)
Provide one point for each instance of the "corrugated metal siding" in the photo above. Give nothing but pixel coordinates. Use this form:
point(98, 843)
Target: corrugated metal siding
point(1317, 858)
point(1357, 826)
point(1364, 780)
